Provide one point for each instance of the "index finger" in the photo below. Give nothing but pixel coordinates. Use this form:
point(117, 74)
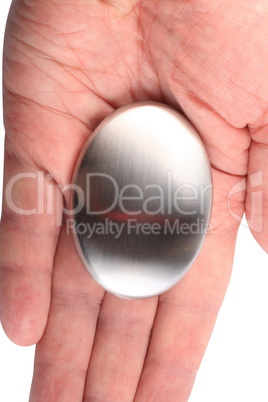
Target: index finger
point(28, 240)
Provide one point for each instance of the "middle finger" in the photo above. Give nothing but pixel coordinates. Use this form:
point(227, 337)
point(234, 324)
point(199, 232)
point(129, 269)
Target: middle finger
point(121, 342)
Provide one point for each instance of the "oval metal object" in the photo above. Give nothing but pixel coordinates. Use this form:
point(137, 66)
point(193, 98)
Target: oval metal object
point(142, 200)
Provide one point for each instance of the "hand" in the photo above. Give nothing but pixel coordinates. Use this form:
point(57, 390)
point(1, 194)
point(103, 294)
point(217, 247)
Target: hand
point(66, 66)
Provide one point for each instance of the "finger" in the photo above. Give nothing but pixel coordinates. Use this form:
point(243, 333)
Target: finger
point(187, 313)
point(257, 186)
point(27, 246)
point(120, 347)
point(62, 355)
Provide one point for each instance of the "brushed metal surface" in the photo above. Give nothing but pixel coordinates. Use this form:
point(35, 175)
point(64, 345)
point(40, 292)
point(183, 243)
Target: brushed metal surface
point(142, 201)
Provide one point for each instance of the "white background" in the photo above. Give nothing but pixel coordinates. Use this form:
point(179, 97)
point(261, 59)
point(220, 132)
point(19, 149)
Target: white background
point(235, 367)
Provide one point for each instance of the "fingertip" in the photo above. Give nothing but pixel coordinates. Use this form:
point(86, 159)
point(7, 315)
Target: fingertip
point(22, 335)
point(25, 303)
point(262, 239)
point(22, 328)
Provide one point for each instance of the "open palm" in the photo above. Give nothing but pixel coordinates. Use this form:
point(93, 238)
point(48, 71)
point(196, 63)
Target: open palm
point(67, 65)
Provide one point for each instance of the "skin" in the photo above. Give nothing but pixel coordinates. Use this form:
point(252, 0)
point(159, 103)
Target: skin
point(67, 65)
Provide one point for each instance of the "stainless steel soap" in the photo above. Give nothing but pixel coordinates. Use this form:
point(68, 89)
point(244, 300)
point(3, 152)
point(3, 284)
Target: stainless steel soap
point(142, 200)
